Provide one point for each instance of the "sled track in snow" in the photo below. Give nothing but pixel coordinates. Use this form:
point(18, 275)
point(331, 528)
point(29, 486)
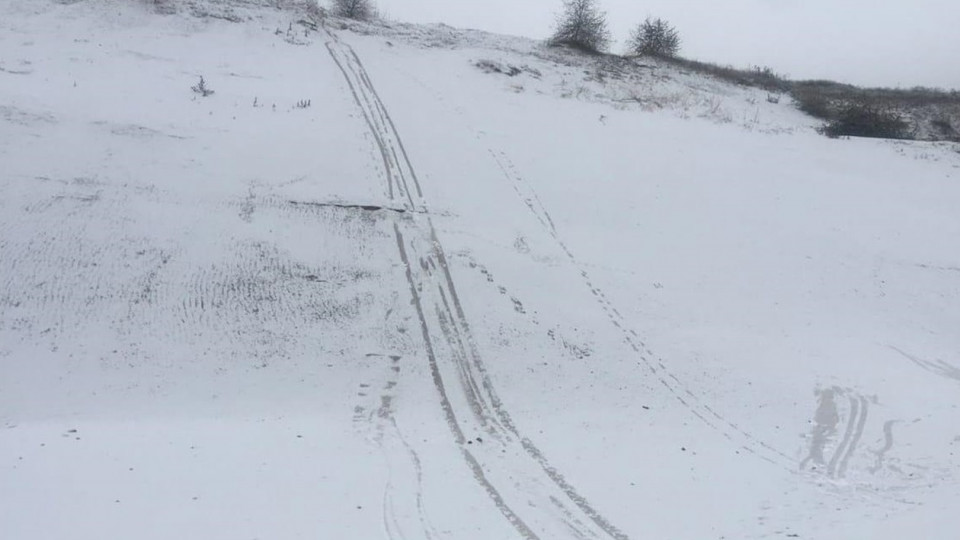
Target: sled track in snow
point(731, 431)
point(827, 420)
point(708, 415)
point(526, 489)
point(857, 407)
point(378, 422)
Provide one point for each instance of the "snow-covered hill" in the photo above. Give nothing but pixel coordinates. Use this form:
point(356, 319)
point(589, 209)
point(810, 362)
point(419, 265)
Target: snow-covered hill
point(396, 281)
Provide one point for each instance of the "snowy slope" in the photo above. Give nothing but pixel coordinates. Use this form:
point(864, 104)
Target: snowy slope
point(476, 289)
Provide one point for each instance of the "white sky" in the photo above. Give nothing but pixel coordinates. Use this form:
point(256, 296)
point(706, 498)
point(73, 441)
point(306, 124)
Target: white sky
point(868, 42)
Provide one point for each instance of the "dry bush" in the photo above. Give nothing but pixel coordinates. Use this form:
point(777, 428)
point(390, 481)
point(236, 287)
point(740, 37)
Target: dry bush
point(865, 120)
point(359, 10)
point(655, 37)
point(582, 26)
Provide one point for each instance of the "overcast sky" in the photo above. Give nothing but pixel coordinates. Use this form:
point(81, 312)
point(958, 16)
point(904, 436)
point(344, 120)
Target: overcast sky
point(867, 42)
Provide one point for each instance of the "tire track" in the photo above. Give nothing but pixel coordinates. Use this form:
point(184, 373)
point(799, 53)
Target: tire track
point(404, 468)
point(857, 434)
point(730, 430)
point(842, 449)
point(447, 406)
point(525, 488)
point(398, 171)
point(708, 415)
point(826, 422)
point(859, 405)
point(631, 338)
point(938, 367)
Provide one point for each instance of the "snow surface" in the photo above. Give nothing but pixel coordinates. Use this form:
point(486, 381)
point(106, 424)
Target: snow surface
point(477, 289)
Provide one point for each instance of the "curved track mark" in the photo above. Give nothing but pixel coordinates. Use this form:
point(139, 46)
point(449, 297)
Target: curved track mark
point(447, 406)
point(857, 435)
point(673, 384)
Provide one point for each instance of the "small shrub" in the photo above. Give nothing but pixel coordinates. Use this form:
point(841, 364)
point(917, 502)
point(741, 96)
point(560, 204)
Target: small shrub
point(583, 26)
point(655, 37)
point(489, 66)
point(201, 88)
point(360, 10)
point(864, 120)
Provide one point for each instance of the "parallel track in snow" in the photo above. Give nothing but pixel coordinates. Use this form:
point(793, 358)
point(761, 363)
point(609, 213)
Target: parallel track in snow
point(531, 494)
point(747, 441)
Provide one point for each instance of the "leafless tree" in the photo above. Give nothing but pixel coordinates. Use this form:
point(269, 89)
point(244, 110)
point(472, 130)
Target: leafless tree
point(655, 37)
point(582, 25)
point(361, 10)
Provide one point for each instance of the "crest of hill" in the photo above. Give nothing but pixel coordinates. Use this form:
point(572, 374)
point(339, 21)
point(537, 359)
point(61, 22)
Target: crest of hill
point(233, 10)
point(721, 93)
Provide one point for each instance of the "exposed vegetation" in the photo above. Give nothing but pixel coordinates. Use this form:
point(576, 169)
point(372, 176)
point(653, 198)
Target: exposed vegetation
point(583, 26)
point(759, 77)
point(655, 37)
point(202, 89)
point(861, 120)
point(925, 113)
point(921, 113)
point(359, 10)
point(946, 129)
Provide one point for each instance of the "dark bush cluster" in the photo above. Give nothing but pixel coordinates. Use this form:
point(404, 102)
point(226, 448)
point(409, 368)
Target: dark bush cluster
point(945, 129)
point(655, 37)
point(582, 26)
point(864, 120)
point(847, 109)
point(813, 102)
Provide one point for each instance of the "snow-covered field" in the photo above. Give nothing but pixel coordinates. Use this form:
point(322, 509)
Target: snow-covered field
point(412, 282)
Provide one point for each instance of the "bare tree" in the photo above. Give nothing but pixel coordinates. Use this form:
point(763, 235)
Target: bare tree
point(361, 10)
point(582, 25)
point(655, 37)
